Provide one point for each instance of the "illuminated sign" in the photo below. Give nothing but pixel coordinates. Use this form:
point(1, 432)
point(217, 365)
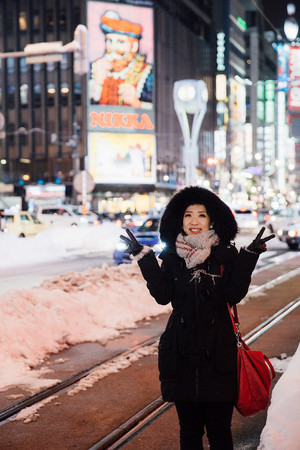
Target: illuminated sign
point(283, 51)
point(265, 106)
point(121, 114)
point(294, 74)
point(241, 22)
point(122, 158)
point(237, 101)
point(221, 51)
point(121, 120)
point(221, 87)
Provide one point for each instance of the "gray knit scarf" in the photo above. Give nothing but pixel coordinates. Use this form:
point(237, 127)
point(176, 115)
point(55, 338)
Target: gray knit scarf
point(196, 248)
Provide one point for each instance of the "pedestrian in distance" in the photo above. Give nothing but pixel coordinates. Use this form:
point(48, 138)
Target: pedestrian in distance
point(201, 271)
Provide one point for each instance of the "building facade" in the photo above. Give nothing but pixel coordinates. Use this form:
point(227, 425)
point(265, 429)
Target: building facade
point(47, 132)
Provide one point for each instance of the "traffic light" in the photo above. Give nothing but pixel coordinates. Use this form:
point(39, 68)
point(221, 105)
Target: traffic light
point(81, 60)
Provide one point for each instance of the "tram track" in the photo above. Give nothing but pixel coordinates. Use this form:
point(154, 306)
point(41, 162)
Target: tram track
point(128, 430)
point(149, 413)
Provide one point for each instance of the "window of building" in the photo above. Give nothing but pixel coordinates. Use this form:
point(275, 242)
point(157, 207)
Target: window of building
point(64, 93)
point(50, 66)
point(37, 89)
point(10, 65)
point(50, 94)
point(10, 136)
point(36, 21)
point(63, 20)
point(64, 62)
point(22, 21)
point(77, 92)
point(49, 20)
point(24, 136)
point(9, 23)
point(24, 95)
point(37, 67)
point(11, 96)
point(23, 65)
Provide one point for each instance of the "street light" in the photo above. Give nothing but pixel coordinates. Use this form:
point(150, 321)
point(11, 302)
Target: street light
point(291, 26)
point(190, 97)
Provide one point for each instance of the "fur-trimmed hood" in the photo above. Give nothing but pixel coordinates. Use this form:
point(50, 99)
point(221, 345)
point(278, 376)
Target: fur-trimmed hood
point(220, 214)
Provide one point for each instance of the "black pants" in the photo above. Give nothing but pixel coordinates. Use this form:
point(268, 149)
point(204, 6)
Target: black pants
point(214, 416)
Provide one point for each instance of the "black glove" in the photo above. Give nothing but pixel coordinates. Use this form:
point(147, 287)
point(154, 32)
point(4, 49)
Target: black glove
point(134, 247)
point(258, 245)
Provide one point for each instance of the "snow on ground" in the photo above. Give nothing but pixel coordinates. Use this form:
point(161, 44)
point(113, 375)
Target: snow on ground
point(98, 305)
point(282, 429)
point(92, 306)
point(58, 242)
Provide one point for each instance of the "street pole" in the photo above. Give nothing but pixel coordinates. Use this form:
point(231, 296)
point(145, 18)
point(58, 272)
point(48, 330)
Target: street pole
point(190, 97)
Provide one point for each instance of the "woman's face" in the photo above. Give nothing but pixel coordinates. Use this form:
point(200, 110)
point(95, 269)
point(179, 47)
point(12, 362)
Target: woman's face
point(195, 220)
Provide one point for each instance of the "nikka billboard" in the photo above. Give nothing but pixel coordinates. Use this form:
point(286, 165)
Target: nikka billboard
point(121, 126)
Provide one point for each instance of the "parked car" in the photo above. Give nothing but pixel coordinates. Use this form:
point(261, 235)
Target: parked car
point(263, 215)
point(146, 234)
point(284, 217)
point(23, 224)
point(247, 219)
point(290, 235)
point(66, 215)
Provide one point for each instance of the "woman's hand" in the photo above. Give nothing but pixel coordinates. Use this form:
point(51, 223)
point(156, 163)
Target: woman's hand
point(134, 247)
point(258, 245)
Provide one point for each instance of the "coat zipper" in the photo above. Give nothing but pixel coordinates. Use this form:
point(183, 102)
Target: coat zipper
point(196, 315)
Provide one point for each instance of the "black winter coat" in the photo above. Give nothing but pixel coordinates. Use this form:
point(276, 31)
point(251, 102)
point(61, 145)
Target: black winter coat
point(197, 351)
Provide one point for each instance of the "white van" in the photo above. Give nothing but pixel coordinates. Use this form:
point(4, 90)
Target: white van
point(66, 215)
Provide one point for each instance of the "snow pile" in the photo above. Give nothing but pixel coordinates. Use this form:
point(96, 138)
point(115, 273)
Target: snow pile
point(92, 306)
point(58, 242)
point(282, 429)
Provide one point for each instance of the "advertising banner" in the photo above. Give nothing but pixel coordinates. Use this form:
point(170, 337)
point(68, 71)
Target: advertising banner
point(122, 158)
point(283, 51)
point(294, 72)
point(120, 92)
point(237, 101)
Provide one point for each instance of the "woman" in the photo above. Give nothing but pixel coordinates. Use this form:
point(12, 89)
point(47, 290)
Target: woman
point(200, 272)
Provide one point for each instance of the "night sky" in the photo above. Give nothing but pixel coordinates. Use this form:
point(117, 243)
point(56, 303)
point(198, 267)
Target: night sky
point(276, 11)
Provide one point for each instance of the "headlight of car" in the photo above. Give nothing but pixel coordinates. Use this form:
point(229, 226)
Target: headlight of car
point(280, 232)
point(121, 246)
point(292, 233)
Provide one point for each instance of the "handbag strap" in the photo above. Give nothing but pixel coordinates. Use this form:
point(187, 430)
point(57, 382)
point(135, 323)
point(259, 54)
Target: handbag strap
point(235, 323)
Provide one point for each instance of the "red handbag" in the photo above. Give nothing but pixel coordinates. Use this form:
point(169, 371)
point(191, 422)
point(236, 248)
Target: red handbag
point(254, 375)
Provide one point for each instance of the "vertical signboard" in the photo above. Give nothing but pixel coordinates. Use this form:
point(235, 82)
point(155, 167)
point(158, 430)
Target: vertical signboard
point(121, 125)
point(294, 74)
point(237, 101)
point(283, 51)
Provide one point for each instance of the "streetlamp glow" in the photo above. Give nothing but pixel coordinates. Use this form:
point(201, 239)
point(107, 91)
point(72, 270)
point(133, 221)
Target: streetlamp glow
point(291, 26)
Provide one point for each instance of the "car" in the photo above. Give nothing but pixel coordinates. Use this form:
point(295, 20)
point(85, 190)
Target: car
point(284, 217)
point(146, 234)
point(290, 234)
point(263, 215)
point(247, 219)
point(23, 223)
point(66, 215)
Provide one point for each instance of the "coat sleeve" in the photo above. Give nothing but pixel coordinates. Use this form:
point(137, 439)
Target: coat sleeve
point(159, 279)
point(237, 276)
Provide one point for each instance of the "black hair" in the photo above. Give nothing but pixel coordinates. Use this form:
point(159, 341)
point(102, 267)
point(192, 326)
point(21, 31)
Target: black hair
point(219, 213)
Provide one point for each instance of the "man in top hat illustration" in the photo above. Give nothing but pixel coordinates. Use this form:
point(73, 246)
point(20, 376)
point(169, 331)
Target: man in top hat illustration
point(121, 76)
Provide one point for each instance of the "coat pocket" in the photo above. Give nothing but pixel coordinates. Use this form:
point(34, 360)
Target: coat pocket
point(167, 355)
